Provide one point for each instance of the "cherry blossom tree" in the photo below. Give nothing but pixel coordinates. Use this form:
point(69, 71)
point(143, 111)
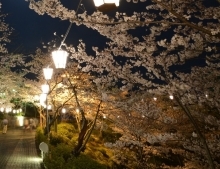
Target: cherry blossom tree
point(12, 82)
point(70, 89)
point(5, 32)
point(173, 34)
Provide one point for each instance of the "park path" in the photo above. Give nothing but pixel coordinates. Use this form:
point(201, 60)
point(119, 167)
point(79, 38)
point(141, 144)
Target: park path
point(18, 150)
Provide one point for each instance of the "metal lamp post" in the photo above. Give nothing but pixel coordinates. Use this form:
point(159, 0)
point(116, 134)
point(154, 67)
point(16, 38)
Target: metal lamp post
point(45, 89)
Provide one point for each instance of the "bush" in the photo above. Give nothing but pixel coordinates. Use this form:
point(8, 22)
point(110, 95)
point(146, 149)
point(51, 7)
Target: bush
point(109, 136)
point(39, 136)
point(56, 139)
point(61, 158)
point(66, 130)
point(84, 162)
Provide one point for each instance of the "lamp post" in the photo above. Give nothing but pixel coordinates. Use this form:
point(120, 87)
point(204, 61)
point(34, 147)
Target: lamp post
point(59, 57)
point(45, 89)
point(63, 110)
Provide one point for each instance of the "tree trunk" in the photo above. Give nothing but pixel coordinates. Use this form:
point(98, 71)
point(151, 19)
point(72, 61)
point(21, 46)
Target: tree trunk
point(203, 140)
point(78, 147)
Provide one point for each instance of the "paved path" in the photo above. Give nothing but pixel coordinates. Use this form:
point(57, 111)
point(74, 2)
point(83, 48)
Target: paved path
point(18, 150)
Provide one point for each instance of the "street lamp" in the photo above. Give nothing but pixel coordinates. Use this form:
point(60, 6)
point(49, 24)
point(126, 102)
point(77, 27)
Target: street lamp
point(43, 98)
point(45, 88)
point(48, 72)
point(59, 58)
point(106, 5)
point(2, 109)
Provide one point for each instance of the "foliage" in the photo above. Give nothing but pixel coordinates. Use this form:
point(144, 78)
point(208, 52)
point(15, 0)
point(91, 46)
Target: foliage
point(61, 158)
point(66, 130)
point(30, 109)
point(60, 155)
point(110, 136)
point(165, 48)
point(1, 116)
point(39, 137)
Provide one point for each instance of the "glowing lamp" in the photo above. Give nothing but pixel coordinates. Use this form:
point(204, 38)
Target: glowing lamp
point(59, 58)
point(63, 110)
point(49, 107)
point(45, 88)
point(43, 98)
point(106, 5)
point(48, 72)
point(171, 97)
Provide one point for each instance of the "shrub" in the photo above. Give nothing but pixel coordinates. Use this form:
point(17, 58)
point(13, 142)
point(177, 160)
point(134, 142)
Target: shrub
point(39, 136)
point(109, 136)
point(61, 158)
point(85, 162)
point(66, 130)
point(56, 139)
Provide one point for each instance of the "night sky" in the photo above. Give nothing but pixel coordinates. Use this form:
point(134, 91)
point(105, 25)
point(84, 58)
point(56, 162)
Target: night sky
point(31, 29)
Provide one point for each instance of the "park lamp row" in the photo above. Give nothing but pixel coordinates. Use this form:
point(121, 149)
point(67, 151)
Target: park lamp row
point(59, 58)
point(8, 110)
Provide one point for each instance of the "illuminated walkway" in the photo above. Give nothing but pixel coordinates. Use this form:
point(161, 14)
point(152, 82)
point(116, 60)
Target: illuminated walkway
point(18, 151)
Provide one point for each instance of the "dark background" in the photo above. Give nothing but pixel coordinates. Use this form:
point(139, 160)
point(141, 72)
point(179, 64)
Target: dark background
point(31, 29)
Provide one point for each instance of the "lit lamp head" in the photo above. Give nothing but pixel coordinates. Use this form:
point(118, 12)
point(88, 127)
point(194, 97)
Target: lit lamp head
point(45, 88)
point(48, 72)
point(8, 109)
point(43, 98)
point(60, 58)
point(106, 5)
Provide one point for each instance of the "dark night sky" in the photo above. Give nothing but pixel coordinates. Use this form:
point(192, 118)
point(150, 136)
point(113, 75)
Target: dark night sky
point(30, 29)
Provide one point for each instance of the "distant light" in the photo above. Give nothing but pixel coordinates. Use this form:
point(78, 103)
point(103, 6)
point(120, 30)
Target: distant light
point(45, 88)
point(20, 120)
point(171, 97)
point(63, 110)
point(48, 72)
point(60, 58)
point(49, 107)
point(8, 109)
point(155, 99)
point(2, 109)
point(77, 110)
